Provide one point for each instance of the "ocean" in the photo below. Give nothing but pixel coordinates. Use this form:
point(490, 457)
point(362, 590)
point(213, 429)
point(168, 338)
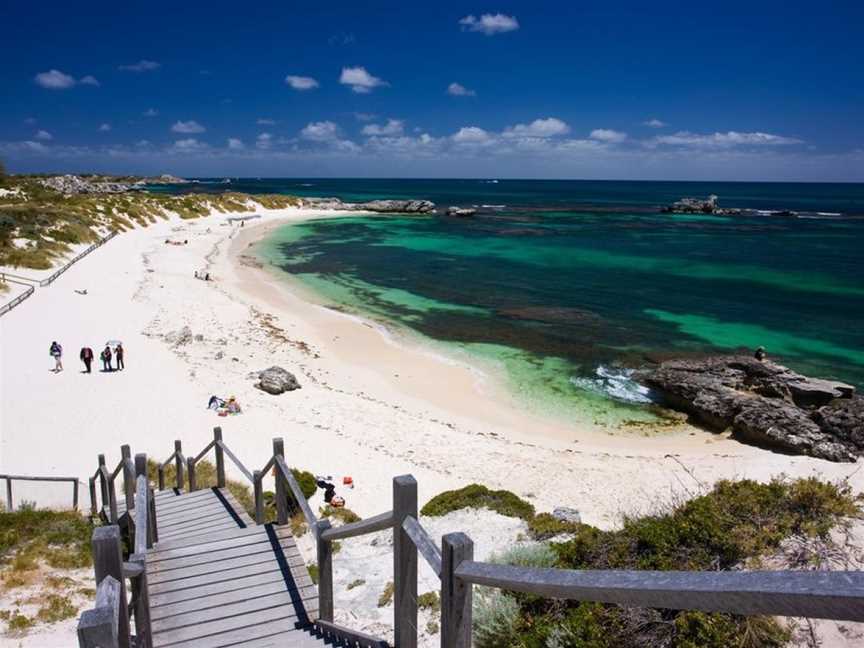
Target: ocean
point(565, 287)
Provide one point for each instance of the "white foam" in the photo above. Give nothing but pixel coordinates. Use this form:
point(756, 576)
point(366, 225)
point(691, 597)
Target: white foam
point(617, 384)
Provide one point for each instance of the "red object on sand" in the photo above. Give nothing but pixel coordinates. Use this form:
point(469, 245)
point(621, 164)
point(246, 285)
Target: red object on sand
point(347, 481)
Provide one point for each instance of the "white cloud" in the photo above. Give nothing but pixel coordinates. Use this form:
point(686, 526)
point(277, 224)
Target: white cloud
point(235, 144)
point(89, 80)
point(322, 131)
point(549, 127)
point(54, 80)
point(189, 145)
point(264, 121)
point(141, 66)
point(360, 80)
point(264, 141)
point(471, 135)
point(391, 128)
point(655, 123)
point(608, 135)
point(188, 127)
point(458, 90)
point(301, 82)
point(364, 117)
point(43, 135)
point(150, 112)
point(722, 140)
point(30, 121)
point(490, 24)
point(142, 143)
point(104, 128)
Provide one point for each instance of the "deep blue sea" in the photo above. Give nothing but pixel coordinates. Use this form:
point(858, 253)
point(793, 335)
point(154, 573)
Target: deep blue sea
point(567, 286)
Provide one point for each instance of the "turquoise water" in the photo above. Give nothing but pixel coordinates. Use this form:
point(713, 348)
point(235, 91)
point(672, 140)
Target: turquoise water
point(567, 286)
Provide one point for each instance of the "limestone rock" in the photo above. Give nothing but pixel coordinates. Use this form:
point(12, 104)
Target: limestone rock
point(461, 212)
point(378, 206)
point(179, 337)
point(566, 514)
point(276, 380)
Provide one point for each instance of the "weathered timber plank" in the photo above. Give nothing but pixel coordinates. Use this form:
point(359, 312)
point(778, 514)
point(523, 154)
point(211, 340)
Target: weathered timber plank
point(210, 628)
point(253, 536)
point(221, 576)
point(199, 528)
point(202, 515)
point(285, 630)
point(214, 601)
point(171, 598)
point(186, 571)
point(199, 539)
point(172, 509)
point(163, 566)
point(227, 610)
point(237, 506)
point(208, 505)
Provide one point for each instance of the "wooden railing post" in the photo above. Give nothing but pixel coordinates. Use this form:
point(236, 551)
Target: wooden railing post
point(128, 477)
point(259, 496)
point(281, 486)
point(325, 573)
point(140, 590)
point(456, 594)
point(220, 458)
point(190, 467)
point(141, 469)
point(404, 563)
point(75, 495)
point(93, 506)
point(9, 507)
point(103, 485)
point(108, 561)
point(154, 531)
point(178, 464)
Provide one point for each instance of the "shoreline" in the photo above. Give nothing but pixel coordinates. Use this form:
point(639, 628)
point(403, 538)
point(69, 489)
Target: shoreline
point(352, 415)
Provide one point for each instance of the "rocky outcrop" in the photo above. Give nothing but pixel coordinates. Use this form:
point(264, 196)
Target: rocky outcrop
point(165, 178)
point(276, 380)
point(72, 184)
point(378, 206)
point(461, 212)
point(765, 404)
point(699, 206)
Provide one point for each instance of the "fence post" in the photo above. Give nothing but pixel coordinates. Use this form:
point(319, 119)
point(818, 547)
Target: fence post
point(75, 495)
point(404, 563)
point(92, 485)
point(108, 561)
point(9, 507)
point(143, 626)
point(128, 477)
point(160, 471)
point(281, 491)
point(103, 485)
point(259, 497)
point(456, 595)
point(154, 531)
point(220, 458)
point(190, 467)
point(178, 463)
point(325, 573)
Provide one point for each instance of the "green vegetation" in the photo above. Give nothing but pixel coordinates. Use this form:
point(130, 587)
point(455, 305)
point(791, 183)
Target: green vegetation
point(313, 572)
point(28, 536)
point(38, 225)
point(387, 595)
point(733, 525)
point(17, 623)
point(355, 583)
point(56, 608)
point(429, 601)
point(477, 496)
point(344, 515)
point(543, 526)
point(432, 627)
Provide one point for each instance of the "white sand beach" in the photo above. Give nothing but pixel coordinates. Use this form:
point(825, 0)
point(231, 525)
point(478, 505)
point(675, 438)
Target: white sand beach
point(371, 406)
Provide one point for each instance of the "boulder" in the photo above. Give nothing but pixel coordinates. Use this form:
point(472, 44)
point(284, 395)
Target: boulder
point(461, 212)
point(276, 380)
point(765, 404)
point(566, 514)
point(378, 206)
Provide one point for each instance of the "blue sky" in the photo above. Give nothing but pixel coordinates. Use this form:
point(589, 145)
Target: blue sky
point(662, 90)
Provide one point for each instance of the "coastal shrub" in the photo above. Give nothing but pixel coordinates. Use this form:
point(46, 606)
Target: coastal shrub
point(476, 496)
point(28, 535)
point(355, 583)
point(56, 607)
point(387, 595)
point(737, 522)
point(527, 555)
point(544, 526)
point(344, 515)
point(313, 572)
point(429, 601)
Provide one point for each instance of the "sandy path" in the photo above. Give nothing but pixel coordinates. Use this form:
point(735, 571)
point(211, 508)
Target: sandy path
point(369, 406)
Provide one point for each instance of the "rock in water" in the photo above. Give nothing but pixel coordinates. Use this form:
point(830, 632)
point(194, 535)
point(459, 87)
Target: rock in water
point(378, 206)
point(460, 211)
point(765, 404)
point(276, 380)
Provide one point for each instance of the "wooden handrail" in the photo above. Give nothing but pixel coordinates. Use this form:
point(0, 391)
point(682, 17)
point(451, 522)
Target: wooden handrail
point(814, 594)
point(203, 453)
point(237, 462)
point(424, 543)
point(369, 525)
point(10, 478)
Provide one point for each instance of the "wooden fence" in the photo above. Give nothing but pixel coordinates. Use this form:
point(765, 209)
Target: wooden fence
point(10, 478)
point(5, 308)
point(835, 595)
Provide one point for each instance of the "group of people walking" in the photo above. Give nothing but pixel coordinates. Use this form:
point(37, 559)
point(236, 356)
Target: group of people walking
point(86, 355)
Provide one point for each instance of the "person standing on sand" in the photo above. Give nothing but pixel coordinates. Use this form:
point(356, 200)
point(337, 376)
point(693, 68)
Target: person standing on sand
point(56, 352)
point(86, 357)
point(118, 353)
point(106, 359)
